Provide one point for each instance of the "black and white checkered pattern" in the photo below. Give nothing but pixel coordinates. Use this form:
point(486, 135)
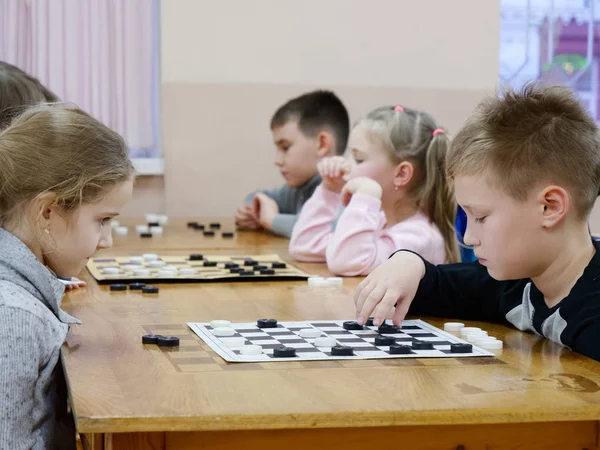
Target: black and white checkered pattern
point(362, 341)
point(262, 268)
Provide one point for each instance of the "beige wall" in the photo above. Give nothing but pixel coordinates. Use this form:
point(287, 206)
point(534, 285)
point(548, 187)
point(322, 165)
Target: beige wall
point(425, 43)
point(227, 65)
point(148, 196)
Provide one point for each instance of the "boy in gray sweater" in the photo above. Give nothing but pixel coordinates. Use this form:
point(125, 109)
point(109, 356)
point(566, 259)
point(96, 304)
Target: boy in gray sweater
point(305, 129)
point(63, 177)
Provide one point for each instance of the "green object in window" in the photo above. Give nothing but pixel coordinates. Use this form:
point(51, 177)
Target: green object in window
point(568, 62)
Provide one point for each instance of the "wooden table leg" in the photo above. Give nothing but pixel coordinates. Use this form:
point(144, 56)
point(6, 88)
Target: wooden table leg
point(134, 441)
point(92, 441)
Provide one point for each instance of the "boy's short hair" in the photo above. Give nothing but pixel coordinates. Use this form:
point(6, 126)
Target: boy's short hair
point(315, 111)
point(19, 90)
point(538, 134)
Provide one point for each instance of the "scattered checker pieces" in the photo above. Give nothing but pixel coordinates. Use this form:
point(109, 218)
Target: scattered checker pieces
point(268, 341)
point(134, 287)
point(161, 341)
point(155, 227)
point(149, 290)
point(193, 268)
point(210, 230)
point(118, 287)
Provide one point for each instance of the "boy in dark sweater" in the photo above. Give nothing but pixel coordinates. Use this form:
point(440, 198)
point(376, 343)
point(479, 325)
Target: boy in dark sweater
point(526, 168)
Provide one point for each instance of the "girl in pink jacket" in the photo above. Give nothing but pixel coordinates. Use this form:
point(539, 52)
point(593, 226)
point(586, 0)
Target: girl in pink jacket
point(395, 192)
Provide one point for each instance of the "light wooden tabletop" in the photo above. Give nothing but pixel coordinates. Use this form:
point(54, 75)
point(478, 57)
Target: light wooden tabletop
point(119, 385)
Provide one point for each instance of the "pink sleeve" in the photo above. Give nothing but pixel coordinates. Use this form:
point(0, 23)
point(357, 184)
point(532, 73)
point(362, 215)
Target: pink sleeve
point(312, 231)
point(358, 244)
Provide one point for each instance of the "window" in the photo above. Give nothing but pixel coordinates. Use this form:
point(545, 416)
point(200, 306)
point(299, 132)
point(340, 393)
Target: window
point(552, 40)
point(102, 56)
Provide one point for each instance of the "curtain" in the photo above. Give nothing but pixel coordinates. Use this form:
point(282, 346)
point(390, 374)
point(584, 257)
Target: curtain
point(101, 55)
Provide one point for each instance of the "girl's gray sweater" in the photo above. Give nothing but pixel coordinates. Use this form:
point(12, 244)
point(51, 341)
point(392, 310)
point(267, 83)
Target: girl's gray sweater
point(33, 394)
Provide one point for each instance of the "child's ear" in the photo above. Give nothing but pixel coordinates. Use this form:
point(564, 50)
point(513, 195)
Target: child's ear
point(44, 206)
point(403, 174)
point(326, 144)
point(554, 203)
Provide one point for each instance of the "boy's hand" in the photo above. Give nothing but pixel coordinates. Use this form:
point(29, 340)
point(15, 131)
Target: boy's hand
point(392, 284)
point(362, 185)
point(333, 171)
point(265, 209)
point(245, 219)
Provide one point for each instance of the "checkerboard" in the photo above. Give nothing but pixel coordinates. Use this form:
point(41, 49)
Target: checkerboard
point(362, 341)
point(208, 268)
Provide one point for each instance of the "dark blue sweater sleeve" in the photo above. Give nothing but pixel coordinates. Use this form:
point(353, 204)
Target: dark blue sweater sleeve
point(463, 291)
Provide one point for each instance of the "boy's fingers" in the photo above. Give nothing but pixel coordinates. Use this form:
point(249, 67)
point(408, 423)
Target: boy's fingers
point(401, 310)
point(387, 303)
point(361, 293)
point(371, 301)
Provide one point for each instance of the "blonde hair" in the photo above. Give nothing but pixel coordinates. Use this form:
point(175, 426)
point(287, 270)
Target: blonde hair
point(408, 135)
point(540, 134)
point(19, 90)
point(62, 152)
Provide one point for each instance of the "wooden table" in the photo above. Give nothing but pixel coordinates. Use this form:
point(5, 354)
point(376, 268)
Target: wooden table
point(129, 396)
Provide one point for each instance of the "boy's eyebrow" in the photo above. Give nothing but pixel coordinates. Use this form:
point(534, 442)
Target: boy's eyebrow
point(281, 141)
point(109, 214)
